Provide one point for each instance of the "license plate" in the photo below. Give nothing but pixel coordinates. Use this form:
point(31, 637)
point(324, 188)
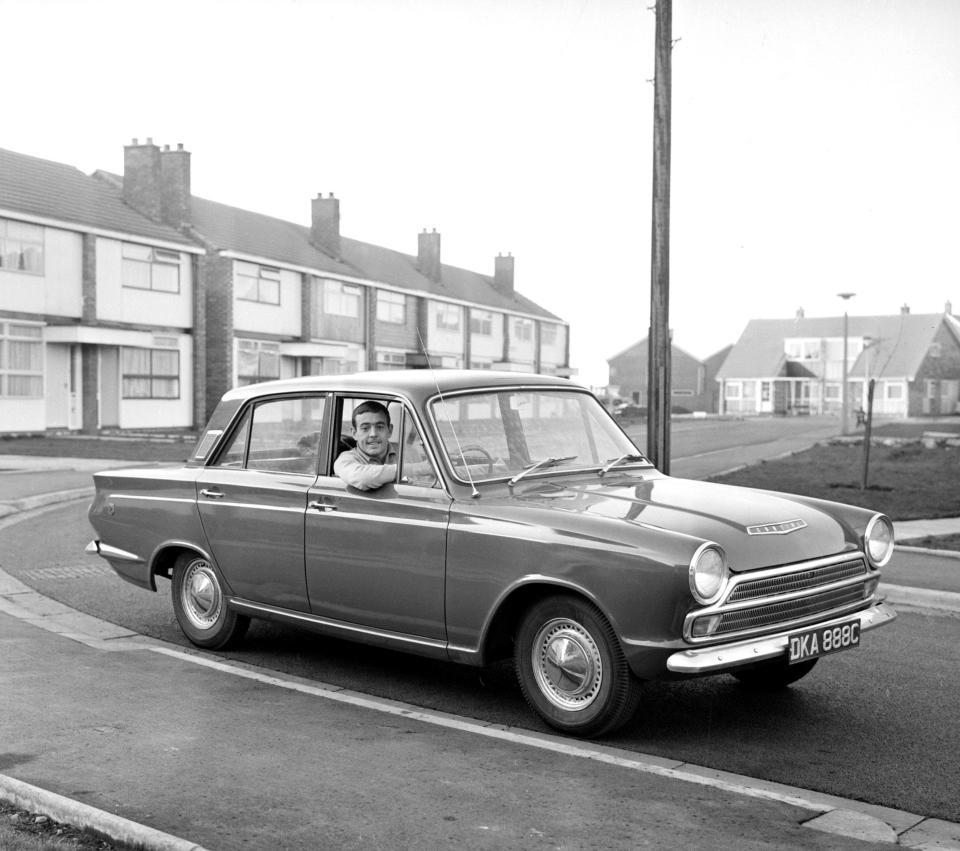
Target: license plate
point(813, 643)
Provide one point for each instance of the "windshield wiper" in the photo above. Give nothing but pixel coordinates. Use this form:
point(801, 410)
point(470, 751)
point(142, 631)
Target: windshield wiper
point(542, 464)
point(621, 460)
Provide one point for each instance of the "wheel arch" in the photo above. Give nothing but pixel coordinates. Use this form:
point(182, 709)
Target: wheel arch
point(501, 629)
point(165, 557)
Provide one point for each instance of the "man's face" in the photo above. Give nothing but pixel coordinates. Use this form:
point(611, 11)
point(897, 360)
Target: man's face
point(372, 433)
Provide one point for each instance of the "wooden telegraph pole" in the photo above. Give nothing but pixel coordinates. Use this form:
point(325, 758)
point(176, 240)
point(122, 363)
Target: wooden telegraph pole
point(658, 377)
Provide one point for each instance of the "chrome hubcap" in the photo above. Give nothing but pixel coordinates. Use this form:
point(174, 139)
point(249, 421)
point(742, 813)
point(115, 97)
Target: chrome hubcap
point(201, 596)
point(567, 664)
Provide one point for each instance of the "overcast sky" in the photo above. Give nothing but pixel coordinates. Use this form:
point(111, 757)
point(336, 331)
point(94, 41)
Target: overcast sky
point(816, 143)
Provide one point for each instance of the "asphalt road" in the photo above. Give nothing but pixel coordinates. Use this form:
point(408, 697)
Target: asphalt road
point(875, 724)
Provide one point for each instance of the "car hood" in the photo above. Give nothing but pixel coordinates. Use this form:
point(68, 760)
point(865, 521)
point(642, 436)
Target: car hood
point(755, 528)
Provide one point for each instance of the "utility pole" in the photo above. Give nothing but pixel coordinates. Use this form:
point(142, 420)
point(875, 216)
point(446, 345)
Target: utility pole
point(658, 375)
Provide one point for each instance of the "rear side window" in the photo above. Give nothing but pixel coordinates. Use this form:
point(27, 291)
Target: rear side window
point(277, 435)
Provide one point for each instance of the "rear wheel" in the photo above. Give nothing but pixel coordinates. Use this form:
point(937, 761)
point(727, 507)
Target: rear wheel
point(773, 675)
point(571, 668)
point(200, 607)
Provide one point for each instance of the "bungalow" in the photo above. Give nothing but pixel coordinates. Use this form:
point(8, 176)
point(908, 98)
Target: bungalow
point(790, 366)
point(693, 382)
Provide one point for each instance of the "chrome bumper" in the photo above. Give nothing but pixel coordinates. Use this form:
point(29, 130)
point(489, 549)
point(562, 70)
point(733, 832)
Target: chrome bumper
point(98, 548)
point(705, 659)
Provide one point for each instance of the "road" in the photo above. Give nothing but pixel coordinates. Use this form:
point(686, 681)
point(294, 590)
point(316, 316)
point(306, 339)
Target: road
point(876, 724)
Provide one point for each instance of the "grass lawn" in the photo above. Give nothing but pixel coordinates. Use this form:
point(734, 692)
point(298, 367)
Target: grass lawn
point(905, 482)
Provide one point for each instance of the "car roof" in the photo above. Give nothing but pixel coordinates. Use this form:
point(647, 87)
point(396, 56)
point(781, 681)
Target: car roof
point(416, 384)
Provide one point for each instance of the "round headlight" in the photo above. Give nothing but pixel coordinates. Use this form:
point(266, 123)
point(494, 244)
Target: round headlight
point(708, 573)
point(878, 540)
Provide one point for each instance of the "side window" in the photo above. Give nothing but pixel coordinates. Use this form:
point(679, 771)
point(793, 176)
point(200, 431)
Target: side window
point(283, 437)
point(416, 468)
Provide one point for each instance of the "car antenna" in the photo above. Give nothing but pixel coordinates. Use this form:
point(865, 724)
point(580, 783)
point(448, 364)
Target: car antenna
point(474, 493)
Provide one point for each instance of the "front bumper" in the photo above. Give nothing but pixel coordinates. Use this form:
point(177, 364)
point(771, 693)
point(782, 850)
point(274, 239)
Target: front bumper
point(703, 660)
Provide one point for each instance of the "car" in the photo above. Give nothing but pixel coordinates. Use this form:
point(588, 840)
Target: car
point(522, 523)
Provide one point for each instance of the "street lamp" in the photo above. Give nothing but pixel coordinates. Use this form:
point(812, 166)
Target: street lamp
point(844, 427)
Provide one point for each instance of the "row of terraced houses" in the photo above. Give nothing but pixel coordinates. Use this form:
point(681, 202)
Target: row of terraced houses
point(128, 303)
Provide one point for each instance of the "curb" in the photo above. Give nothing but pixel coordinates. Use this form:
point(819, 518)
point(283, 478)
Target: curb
point(103, 824)
point(929, 551)
point(921, 598)
point(39, 500)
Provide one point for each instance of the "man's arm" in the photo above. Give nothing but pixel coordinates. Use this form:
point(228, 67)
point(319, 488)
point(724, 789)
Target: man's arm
point(362, 476)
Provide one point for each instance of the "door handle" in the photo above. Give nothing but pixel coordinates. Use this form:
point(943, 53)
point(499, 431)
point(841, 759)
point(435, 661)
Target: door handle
point(321, 506)
point(212, 493)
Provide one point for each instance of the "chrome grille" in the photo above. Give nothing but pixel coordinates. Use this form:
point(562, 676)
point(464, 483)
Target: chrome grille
point(787, 583)
point(758, 617)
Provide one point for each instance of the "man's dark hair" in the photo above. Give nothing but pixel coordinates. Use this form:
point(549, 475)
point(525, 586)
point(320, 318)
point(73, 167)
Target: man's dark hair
point(369, 407)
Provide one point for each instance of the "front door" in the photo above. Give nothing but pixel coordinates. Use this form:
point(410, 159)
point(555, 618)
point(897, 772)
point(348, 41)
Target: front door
point(377, 558)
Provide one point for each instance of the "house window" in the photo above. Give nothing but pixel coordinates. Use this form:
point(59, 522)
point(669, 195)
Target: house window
point(802, 349)
point(448, 317)
point(21, 360)
point(341, 299)
point(391, 360)
point(481, 323)
point(481, 364)
point(21, 247)
point(146, 268)
point(831, 392)
point(257, 360)
point(731, 390)
point(391, 307)
point(258, 283)
point(523, 330)
point(893, 391)
point(548, 334)
point(151, 373)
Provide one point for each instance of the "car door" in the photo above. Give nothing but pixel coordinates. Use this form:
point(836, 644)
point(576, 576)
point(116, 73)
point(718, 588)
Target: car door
point(252, 499)
point(376, 559)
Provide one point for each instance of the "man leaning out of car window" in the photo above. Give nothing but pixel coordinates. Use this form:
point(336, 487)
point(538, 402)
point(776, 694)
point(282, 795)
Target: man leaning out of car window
point(373, 462)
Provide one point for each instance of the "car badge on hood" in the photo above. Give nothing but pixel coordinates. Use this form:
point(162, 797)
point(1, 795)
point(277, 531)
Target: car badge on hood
point(784, 528)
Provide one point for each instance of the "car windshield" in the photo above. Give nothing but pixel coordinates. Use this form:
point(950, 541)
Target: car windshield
point(502, 434)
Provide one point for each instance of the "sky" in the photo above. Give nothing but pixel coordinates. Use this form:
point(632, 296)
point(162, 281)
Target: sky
point(815, 144)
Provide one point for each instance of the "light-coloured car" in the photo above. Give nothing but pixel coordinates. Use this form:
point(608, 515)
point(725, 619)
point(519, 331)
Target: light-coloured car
point(522, 522)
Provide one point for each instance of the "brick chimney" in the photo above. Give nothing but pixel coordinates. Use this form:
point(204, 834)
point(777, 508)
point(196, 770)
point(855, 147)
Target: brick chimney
point(141, 178)
point(175, 186)
point(428, 254)
point(503, 273)
point(325, 224)
point(905, 309)
point(800, 313)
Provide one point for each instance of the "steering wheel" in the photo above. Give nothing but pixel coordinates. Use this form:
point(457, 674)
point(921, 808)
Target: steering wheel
point(486, 457)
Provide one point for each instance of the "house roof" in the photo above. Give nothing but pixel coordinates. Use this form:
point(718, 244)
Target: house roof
point(285, 242)
point(900, 343)
point(65, 194)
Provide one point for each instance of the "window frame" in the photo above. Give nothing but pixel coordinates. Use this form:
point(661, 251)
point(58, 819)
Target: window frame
point(266, 285)
point(153, 376)
point(391, 307)
point(39, 243)
point(154, 259)
point(30, 343)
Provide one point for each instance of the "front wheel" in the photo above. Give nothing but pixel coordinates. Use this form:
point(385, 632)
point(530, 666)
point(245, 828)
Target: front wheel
point(773, 675)
point(200, 607)
point(571, 668)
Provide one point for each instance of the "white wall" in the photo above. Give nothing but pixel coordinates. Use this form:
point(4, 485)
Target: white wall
point(440, 340)
point(58, 291)
point(255, 318)
point(491, 347)
point(555, 355)
point(117, 303)
point(20, 415)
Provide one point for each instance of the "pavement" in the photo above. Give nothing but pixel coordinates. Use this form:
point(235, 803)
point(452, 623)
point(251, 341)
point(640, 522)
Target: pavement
point(96, 736)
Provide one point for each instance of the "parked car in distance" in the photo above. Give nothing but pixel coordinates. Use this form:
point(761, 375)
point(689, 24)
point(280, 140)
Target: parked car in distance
point(522, 522)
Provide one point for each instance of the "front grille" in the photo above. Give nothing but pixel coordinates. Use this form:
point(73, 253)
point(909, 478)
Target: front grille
point(771, 614)
point(803, 580)
point(784, 598)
